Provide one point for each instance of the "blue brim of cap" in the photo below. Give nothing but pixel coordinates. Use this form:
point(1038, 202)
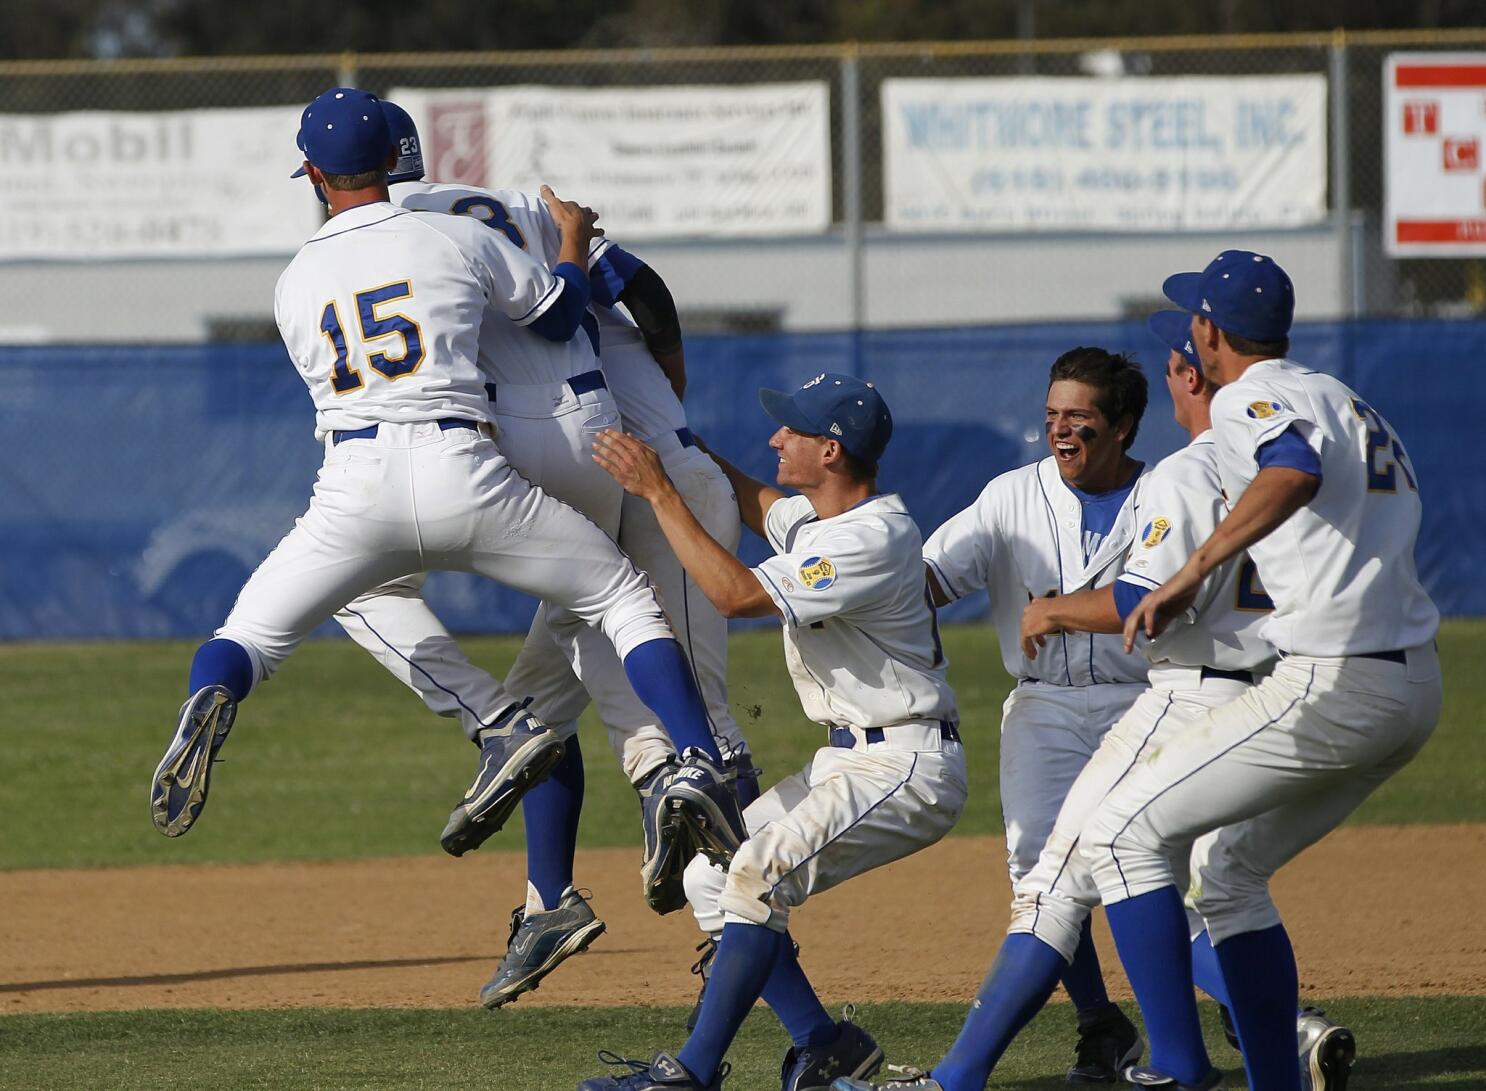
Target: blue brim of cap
point(1174, 330)
point(1182, 289)
point(782, 407)
point(299, 173)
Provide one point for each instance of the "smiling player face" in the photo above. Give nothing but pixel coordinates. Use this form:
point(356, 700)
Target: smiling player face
point(800, 464)
point(1086, 447)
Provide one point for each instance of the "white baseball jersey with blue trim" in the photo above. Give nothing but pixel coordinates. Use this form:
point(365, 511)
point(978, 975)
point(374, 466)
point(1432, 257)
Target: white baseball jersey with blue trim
point(521, 219)
point(1340, 570)
point(1022, 539)
point(384, 324)
point(860, 637)
point(1177, 507)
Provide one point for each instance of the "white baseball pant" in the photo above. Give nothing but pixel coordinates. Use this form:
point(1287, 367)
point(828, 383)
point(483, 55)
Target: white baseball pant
point(1053, 900)
point(542, 670)
point(1048, 735)
point(421, 496)
point(850, 810)
point(1278, 768)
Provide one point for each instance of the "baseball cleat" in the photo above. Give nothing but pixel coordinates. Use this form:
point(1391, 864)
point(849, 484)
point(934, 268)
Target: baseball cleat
point(908, 1079)
point(1108, 1043)
point(540, 943)
point(661, 1073)
point(1145, 1076)
point(1326, 1052)
point(511, 764)
point(852, 1053)
point(178, 791)
point(702, 967)
point(668, 844)
point(701, 795)
point(1230, 1031)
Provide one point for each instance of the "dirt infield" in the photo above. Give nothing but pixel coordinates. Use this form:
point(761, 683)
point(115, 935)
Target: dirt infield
point(1373, 911)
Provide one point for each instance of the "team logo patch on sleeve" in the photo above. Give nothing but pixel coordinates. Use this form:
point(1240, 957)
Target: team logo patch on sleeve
point(1154, 531)
point(817, 573)
point(1264, 410)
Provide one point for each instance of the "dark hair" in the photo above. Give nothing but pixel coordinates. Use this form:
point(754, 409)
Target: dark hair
point(346, 182)
point(1246, 347)
point(858, 468)
point(1118, 380)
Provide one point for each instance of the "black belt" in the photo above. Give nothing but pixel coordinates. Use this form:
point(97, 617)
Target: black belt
point(340, 435)
point(578, 384)
point(843, 736)
point(686, 438)
point(1235, 676)
point(1398, 655)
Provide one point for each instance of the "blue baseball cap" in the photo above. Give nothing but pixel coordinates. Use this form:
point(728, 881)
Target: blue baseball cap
point(344, 131)
point(1174, 330)
point(838, 407)
point(1241, 293)
point(403, 132)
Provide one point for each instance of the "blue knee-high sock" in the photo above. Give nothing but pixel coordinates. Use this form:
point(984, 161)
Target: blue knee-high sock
point(224, 663)
point(1084, 979)
point(1150, 932)
point(746, 955)
point(551, 810)
point(659, 673)
point(790, 996)
point(1264, 989)
point(1207, 975)
point(1019, 982)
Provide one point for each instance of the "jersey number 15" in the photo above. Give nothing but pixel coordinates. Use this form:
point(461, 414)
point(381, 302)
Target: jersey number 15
point(374, 325)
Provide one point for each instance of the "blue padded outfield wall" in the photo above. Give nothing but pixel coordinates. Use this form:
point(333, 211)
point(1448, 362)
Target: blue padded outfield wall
point(143, 484)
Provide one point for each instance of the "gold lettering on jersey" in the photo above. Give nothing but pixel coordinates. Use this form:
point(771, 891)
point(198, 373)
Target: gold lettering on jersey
point(817, 573)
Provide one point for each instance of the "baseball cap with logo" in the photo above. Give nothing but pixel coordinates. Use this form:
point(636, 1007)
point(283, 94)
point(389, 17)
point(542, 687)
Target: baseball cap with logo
point(1241, 293)
point(1174, 330)
point(344, 131)
point(838, 407)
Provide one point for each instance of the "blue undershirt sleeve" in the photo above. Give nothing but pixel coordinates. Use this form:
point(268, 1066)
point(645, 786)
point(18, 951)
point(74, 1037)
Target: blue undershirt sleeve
point(1290, 451)
point(611, 273)
point(560, 321)
point(1127, 597)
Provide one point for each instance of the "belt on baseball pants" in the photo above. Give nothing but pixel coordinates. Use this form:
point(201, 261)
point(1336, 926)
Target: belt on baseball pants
point(1235, 676)
point(845, 738)
point(340, 435)
point(1397, 655)
point(578, 384)
point(686, 438)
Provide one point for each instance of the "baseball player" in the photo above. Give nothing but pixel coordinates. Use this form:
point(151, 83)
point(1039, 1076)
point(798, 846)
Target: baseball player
point(383, 312)
point(1193, 667)
point(1326, 504)
point(863, 650)
point(1056, 527)
point(545, 430)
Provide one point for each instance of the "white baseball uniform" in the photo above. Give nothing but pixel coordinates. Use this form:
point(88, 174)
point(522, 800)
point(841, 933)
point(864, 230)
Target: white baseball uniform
point(1194, 666)
point(1353, 698)
point(382, 312)
point(863, 650)
point(1023, 538)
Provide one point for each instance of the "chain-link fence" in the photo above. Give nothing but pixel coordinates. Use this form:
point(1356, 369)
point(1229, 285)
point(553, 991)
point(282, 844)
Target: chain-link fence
point(859, 272)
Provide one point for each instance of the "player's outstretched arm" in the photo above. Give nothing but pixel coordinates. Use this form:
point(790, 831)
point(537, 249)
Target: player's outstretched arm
point(728, 583)
point(1275, 494)
point(1091, 611)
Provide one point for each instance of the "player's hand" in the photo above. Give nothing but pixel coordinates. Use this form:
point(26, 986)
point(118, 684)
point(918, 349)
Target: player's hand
point(575, 221)
point(1161, 607)
point(633, 464)
point(1037, 626)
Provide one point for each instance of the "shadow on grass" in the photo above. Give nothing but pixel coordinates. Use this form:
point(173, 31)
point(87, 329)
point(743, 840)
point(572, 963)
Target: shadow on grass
point(152, 980)
point(1458, 1067)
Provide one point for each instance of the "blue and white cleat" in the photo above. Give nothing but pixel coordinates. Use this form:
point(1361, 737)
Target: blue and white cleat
point(852, 1053)
point(511, 764)
point(701, 795)
point(178, 790)
point(1146, 1076)
point(668, 844)
point(908, 1079)
point(661, 1073)
point(1327, 1051)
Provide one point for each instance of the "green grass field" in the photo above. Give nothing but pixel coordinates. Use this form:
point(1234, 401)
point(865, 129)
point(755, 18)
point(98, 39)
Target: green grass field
point(333, 759)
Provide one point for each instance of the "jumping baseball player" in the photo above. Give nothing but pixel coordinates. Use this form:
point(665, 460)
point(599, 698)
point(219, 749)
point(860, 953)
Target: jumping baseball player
point(545, 430)
point(1056, 527)
point(863, 650)
point(1327, 506)
point(1203, 662)
point(383, 312)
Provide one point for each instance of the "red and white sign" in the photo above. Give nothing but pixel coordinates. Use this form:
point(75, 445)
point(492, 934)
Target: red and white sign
point(1434, 122)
